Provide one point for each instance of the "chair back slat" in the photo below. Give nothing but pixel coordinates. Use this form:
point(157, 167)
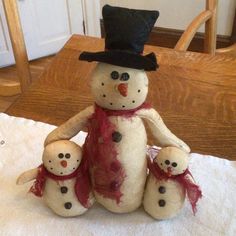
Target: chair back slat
point(18, 43)
point(211, 28)
point(186, 38)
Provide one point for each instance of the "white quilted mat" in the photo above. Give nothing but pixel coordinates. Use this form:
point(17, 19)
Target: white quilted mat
point(21, 213)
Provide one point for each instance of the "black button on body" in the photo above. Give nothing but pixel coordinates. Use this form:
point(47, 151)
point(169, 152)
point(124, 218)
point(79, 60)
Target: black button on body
point(162, 203)
point(115, 166)
point(64, 189)
point(114, 185)
point(116, 136)
point(68, 205)
point(162, 189)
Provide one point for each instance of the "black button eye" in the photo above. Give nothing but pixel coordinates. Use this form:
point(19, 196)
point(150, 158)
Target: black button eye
point(167, 162)
point(174, 164)
point(67, 155)
point(114, 75)
point(124, 76)
point(60, 155)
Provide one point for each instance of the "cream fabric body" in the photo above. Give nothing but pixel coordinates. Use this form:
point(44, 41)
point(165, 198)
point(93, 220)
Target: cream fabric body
point(62, 151)
point(27, 176)
point(174, 197)
point(105, 89)
point(132, 155)
point(163, 135)
point(55, 199)
point(132, 147)
point(71, 127)
point(177, 160)
point(61, 158)
point(21, 213)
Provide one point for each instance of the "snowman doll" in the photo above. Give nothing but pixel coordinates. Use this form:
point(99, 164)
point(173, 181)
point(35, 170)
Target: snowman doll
point(62, 179)
point(115, 146)
point(168, 183)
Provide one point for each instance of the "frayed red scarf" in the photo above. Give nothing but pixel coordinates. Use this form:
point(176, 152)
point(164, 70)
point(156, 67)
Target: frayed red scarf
point(193, 191)
point(107, 172)
point(82, 185)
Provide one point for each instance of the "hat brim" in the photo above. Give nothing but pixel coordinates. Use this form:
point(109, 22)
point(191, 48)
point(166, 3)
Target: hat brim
point(122, 58)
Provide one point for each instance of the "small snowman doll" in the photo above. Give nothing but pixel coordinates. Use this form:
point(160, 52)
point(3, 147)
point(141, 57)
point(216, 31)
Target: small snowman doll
point(62, 179)
point(168, 183)
point(116, 143)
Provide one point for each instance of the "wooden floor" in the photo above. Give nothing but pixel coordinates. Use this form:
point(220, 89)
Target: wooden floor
point(36, 68)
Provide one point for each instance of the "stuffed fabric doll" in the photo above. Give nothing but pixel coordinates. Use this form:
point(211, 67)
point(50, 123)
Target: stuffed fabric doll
point(168, 183)
point(116, 143)
point(62, 180)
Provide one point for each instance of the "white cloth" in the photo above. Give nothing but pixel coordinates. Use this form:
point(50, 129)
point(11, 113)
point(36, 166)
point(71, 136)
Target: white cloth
point(21, 213)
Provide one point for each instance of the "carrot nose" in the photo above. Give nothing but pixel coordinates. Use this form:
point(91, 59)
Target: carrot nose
point(64, 163)
point(123, 89)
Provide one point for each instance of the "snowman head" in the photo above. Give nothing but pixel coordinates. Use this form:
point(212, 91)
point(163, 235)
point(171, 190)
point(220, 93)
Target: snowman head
point(172, 160)
point(119, 88)
point(62, 157)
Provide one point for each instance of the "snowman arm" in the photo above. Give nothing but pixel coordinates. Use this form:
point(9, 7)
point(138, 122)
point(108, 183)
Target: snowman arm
point(159, 130)
point(71, 127)
point(27, 176)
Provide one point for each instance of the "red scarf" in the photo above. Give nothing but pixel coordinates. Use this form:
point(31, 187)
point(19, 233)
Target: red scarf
point(193, 191)
point(107, 172)
point(82, 185)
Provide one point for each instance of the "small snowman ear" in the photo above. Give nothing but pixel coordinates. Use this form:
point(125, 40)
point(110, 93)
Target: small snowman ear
point(152, 57)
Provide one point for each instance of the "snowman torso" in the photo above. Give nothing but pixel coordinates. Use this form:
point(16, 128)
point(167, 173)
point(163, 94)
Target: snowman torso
point(163, 198)
point(130, 143)
point(123, 89)
point(60, 197)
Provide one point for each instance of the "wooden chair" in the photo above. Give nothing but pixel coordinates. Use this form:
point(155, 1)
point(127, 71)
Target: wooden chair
point(231, 50)
point(207, 17)
point(8, 88)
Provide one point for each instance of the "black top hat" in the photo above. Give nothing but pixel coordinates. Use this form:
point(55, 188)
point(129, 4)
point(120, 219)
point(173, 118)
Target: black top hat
point(127, 31)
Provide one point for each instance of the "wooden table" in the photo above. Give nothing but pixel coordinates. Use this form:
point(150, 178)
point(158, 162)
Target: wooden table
point(194, 93)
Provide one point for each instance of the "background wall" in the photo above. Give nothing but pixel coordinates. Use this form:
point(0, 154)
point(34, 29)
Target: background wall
point(178, 14)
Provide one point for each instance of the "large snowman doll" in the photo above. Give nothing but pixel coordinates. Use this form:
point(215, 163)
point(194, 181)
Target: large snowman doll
point(116, 143)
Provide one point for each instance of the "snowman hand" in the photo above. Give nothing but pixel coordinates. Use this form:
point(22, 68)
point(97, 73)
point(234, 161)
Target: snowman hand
point(71, 127)
point(27, 176)
point(159, 130)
